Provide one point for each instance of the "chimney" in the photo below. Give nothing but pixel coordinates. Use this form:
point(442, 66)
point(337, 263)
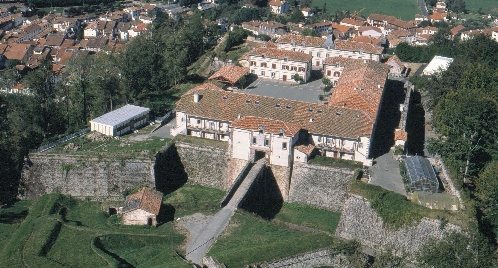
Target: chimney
point(196, 97)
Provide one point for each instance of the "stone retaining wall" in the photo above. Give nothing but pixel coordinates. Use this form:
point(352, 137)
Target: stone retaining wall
point(84, 177)
point(360, 222)
point(320, 186)
point(324, 257)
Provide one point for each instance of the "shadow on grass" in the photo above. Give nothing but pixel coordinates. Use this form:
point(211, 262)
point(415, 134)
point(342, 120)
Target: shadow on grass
point(264, 197)
point(166, 214)
point(13, 217)
point(122, 262)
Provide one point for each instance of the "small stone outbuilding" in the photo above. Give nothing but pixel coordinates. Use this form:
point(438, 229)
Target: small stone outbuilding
point(142, 207)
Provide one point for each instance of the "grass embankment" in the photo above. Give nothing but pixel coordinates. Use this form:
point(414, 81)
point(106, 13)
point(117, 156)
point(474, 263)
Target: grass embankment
point(191, 198)
point(202, 141)
point(63, 232)
point(404, 9)
point(249, 239)
point(309, 217)
point(11, 218)
point(334, 162)
point(396, 211)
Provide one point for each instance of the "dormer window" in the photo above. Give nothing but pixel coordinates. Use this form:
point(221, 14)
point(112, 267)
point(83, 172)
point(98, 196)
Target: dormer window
point(256, 102)
point(277, 105)
point(288, 107)
point(319, 111)
point(248, 101)
point(310, 109)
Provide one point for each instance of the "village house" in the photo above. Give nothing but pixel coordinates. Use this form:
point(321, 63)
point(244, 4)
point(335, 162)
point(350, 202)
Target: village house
point(438, 17)
point(270, 28)
point(279, 64)
point(427, 30)
point(397, 67)
point(321, 48)
point(456, 31)
point(307, 12)
point(279, 6)
point(334, 66)
point(20, 52)
point(370, 40)
point(390, 23)
point(319, 27)
point(370, 31)
point(283, 130)
point(420, 18)
point(355, 24)
point(142, 207)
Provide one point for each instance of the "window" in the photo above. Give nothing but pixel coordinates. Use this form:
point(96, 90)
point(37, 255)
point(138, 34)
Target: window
point(272, 74)
point(267, 141)
point(253, 63)
point(318, 54)
point(198, 121)
point(329, 72)
point(181, 120)
point(319, 138)
point(327, 55)
point(253, 72)
point(254, 140)
point(302, 69)
point(264, 64)
point(293, 68)
point(284, 145)
point(211, 126)
point(337, 74)
point(311, 53)
point(285, 67)
point(273, 66)
point(263, 73)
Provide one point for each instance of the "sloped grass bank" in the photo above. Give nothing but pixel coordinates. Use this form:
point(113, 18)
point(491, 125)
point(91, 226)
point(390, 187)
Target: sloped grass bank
point(249, 239)
point(63, 232)
point(192, 198)
point(396, 211)
point(307, 216)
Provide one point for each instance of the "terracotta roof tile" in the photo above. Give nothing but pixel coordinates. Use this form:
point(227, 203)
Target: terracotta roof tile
point(394, 59)
point(400, 134)
point(301, 39)
point(267, 125)
point(342, 61)
point(280, 54)
point(457, 29)
point(367, 40)
point(317, 118)
point(352, 22)
point(230, 74)
point(357, 46)
point(360, 87)
point(369, 28)
point(146, 199)
point(305, 149)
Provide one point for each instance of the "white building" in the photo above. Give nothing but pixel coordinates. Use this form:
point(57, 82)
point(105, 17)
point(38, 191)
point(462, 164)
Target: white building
point(279, 6)
point(334, 66)
point(437, 64)
point(120, 121)
point(279, 64)
point(321, 48)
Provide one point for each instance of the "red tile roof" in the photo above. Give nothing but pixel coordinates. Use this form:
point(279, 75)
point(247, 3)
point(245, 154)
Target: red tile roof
point(358, 46)
point(267, 125)
point(457, 29)
point(230, 74)
point(352, 22)
point(305, 149)
point(146, 199)
point(280, 54)
point(367, 40)
point(301, 39)
point(317, 118)
point(342, 61)
point(395, 60)
point(400, 134)
point(360, 87)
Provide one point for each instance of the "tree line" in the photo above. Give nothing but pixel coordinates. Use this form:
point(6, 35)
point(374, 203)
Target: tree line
point(463, 101)
point(143, 73)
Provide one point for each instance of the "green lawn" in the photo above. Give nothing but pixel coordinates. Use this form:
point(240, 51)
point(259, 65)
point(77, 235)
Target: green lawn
point(309, 216)
point(202, 141)
point(11, 218)
point(403, 9)
point(334, 162)
point(249, 240)
point(474, 5)
point(194, 198)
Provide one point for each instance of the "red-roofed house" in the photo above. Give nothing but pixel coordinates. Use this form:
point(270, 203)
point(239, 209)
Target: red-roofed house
point(142, 207)
point(279, 6)
point(398, 68)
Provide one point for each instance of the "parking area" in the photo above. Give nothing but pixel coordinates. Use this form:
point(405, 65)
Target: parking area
point(308, 92)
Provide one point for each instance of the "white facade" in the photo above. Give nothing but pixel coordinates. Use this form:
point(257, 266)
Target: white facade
point(90, 32)
point(139, 217)
point(437, 64)
point(120, 121)
point(279, 69)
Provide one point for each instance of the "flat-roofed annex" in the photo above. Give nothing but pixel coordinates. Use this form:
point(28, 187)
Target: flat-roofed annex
point(121, 115)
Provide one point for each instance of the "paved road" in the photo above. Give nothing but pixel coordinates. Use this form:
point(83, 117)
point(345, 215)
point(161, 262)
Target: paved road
point(423, 7)
point(163, 132)
point(198, 247)
point(385, 173)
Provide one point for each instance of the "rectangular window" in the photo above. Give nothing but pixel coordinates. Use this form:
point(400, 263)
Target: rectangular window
point(284, 145)
point(253, 63)
point(274, 66)
point(319, 138)
point(198, 121)
point(272, 74)
point(318, 54)
point(302, 69)
point(263, 64)
point(254, 140)
point(294, 68)
point(329, 72)
point(263, 73)
point(267, 141)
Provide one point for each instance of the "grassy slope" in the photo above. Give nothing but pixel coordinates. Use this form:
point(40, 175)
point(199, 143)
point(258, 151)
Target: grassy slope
point(397, 211)
point(10, 220)
point(251, 240)
point(474, 5)
point(194, 198)
point(309, 216)
point(403, 9)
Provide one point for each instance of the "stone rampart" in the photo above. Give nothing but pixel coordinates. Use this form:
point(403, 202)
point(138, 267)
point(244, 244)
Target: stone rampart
point(360, 222)
point(320, 186)
point(84, 177)
point(324, 257)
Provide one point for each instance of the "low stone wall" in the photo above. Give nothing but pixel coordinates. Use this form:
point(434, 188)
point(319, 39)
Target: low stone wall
point(84, 177)
point(320, 186)
point(360, 222)
point(282, 178)
point(318, 258)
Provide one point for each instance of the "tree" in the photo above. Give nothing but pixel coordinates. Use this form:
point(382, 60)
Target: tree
point(469, 133)
point(309, 32)
point(457, 250)
point(296, 16)
point(486, 192)
point(296, 77)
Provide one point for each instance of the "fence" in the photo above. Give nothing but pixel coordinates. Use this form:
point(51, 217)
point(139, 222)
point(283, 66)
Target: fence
point(61, 140)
